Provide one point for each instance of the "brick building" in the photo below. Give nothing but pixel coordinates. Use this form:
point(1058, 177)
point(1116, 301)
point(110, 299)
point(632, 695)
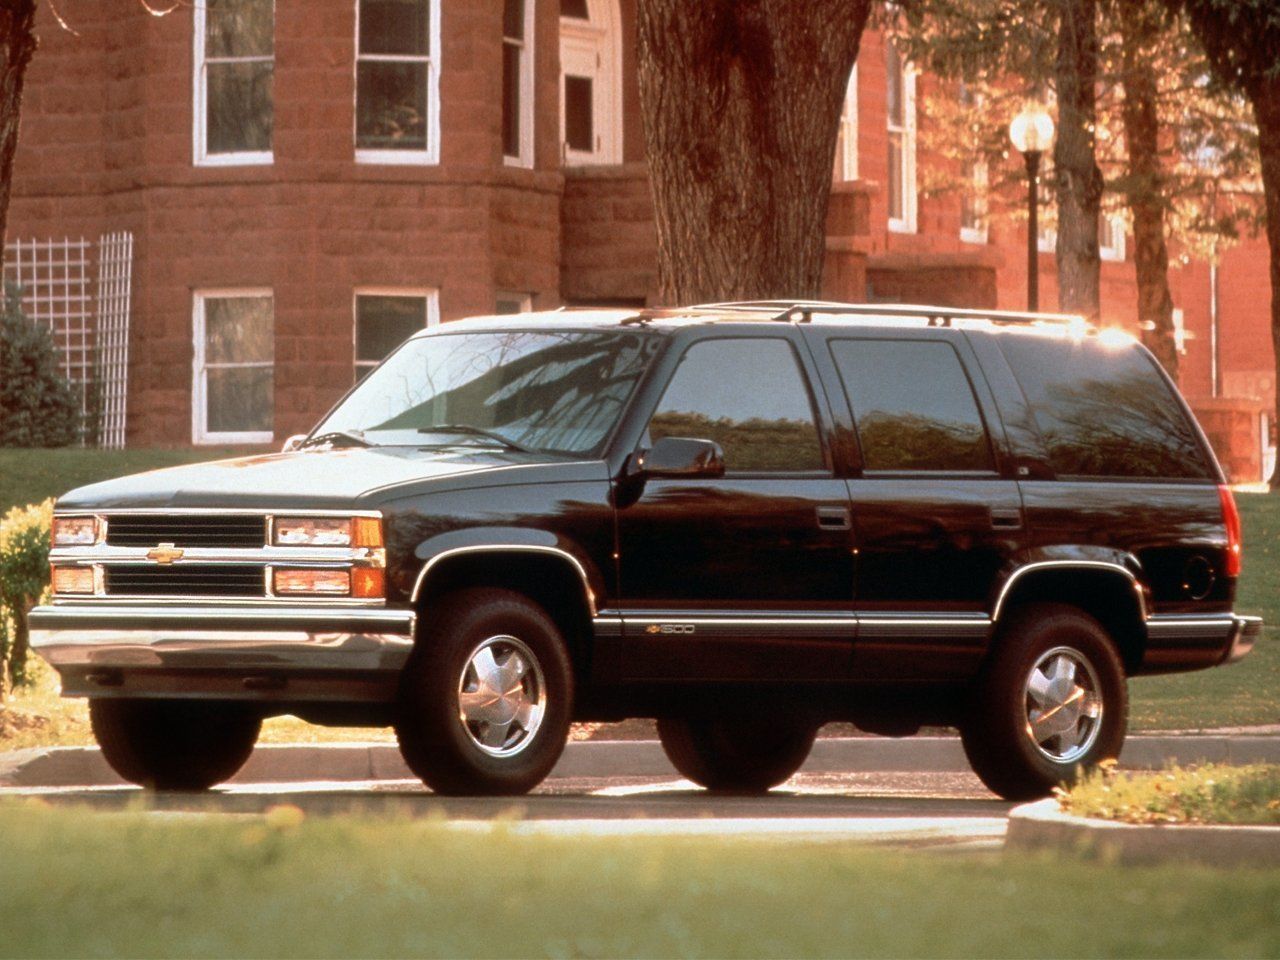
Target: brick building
point(307, 181)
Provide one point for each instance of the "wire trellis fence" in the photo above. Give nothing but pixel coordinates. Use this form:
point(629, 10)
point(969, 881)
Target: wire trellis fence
point(80, 291)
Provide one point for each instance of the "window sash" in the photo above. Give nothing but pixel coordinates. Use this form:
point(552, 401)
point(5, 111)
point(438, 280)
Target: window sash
point(200, 432)
point(429, 153)
point(200, 97)
point(902, 136)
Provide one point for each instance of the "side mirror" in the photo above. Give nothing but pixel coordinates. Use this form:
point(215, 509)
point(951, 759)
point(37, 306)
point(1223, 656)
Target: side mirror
point(681, 457)
point(293, 442)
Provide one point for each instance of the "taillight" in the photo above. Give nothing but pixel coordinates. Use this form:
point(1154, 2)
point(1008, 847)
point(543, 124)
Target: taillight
point(1231, 517)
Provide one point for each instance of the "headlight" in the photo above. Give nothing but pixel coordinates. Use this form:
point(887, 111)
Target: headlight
point(73, 580)
point(75, 531)
point(328, 532)
point(315, 582)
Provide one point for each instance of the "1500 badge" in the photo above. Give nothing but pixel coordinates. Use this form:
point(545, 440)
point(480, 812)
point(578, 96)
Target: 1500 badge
point(669, 628)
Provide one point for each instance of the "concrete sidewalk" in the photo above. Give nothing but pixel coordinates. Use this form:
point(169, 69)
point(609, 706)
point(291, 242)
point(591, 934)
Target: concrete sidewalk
point(291, 763)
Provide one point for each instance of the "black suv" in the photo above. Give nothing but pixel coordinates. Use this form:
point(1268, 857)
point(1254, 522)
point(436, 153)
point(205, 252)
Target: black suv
point(745, 520)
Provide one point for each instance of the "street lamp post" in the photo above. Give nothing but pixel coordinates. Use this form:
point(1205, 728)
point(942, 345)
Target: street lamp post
point(1032, 134)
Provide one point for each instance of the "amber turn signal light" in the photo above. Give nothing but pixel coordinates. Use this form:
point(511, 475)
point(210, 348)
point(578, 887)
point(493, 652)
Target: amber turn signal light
point(366, 532)
point(368, 582)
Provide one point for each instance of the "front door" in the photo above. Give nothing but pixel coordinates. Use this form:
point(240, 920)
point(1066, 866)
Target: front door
point(747, 576)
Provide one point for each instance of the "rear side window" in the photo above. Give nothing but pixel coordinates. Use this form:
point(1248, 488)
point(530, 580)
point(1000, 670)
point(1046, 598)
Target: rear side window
point(1104, 410)
point(913, 405)
point(750, 397)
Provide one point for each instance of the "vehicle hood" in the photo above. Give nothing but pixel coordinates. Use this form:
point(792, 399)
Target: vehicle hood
point(301, 479)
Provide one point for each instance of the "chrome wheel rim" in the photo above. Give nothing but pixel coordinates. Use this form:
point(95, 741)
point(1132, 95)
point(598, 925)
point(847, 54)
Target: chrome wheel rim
point(1063, 705)
point(502, 696)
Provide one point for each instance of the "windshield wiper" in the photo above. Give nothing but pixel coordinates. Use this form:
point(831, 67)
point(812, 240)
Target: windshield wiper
point(470, 431)
point(337, 438)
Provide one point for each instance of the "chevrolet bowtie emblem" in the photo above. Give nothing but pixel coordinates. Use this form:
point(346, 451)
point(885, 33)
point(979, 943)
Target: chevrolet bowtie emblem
point(165, 553)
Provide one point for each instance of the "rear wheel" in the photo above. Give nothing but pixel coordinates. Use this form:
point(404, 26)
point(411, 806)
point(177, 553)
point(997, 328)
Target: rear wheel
point(736, 755)
point(174, 744)
point(1051, 702)
point(486, 698)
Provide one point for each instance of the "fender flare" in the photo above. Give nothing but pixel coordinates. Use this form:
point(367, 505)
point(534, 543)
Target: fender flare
point(1105, 565)
point(505, 540)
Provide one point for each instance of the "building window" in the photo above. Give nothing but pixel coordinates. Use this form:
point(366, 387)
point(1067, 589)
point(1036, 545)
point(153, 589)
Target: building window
point(973, 205)
point(901, 104)
point(385, 318)
point(397, 81)
point(517, 83)
point(590, 85)
point(1111, 237)
point(847, 140)
point(507, 302)
point(232, 394)
point(234, 69)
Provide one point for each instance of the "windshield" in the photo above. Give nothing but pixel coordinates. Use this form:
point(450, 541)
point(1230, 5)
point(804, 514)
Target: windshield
point(551, 391)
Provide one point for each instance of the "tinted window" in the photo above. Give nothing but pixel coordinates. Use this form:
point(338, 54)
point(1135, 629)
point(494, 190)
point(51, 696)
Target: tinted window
point(913, 405)
point(750, 397)
point(1104, 410)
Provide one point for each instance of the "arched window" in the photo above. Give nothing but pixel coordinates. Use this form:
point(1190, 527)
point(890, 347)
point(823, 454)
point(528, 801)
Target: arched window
point(590, 81)
point(517, 82)
point(901, 103)
point(846, 165)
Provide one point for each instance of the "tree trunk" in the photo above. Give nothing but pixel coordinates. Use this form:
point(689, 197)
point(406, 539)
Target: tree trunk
point(17, 44)
point(1076, 173)
point(740, 101)
point(1140, 30)
point(1265, 95)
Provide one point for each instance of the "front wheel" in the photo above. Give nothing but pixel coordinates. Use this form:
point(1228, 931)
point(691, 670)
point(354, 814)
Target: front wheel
point(736, 755)
point(1051, 702)
point(174, 744)
point(486, 697)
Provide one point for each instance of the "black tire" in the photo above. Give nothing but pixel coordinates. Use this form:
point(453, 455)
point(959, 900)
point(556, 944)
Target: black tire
point(174, 744)
point(444, 749)
point(997, 731)
point(734, 755)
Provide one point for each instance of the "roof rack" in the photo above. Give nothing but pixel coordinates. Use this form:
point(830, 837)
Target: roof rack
point(803, 311)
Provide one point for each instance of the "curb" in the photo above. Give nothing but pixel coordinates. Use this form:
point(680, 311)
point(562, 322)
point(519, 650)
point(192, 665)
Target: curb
point(1042, 826)
point(288, 763)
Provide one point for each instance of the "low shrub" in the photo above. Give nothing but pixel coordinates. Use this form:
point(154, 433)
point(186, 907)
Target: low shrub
point(1210, 793)
point(24, 579)
point(38, 407)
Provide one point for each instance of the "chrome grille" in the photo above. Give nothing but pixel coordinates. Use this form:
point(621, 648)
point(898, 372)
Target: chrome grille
point(210, 530)
point(196, 579)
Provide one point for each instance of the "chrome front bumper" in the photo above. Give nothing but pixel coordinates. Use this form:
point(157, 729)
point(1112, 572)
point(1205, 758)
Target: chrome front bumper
point(243, 650)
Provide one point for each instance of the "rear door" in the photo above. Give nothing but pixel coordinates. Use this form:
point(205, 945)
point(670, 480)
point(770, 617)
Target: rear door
point(936, 509)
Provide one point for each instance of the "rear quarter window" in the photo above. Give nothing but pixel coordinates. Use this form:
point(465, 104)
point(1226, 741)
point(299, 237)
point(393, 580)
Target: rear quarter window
point(1104, 410)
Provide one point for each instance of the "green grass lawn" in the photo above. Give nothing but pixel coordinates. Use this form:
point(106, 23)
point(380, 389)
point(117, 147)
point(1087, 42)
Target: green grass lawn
point(29, 476)
point(137, 884)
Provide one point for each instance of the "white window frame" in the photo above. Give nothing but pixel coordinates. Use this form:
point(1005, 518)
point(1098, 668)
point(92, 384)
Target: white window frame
point(848, 160)
point(909, 221)
point(200, 98)
point(429, 294)
point(1113, 227)
point(599, 38)
point(980, 177)
point(200, 433)
point(431, 154)
point(525, 157)
point(524, 299)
